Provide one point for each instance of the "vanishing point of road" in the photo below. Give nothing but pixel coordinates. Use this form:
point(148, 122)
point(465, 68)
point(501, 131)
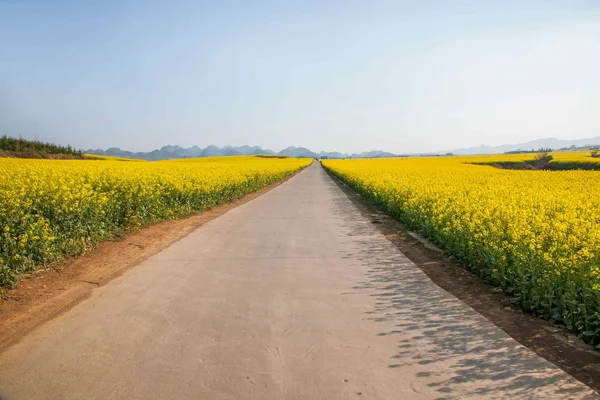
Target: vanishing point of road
point(294, 295)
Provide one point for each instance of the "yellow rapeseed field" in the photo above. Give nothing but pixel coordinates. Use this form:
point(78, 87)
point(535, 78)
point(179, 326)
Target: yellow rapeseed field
point(561, 160)
point(536, 234)
point(578, 156)
point(53, 208)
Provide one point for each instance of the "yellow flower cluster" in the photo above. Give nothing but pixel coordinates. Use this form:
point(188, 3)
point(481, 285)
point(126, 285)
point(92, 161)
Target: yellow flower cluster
point(536, 234)
point(53, 208)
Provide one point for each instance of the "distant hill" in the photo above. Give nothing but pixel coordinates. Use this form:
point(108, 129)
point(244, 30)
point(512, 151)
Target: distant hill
point(170, 152)
point(298, 152)
point(551, 143)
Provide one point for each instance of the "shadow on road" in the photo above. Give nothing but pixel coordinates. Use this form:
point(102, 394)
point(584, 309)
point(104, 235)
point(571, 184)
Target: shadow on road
point(434, 327)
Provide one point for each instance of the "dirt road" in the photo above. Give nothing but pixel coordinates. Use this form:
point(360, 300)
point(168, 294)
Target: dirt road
point(293, 295)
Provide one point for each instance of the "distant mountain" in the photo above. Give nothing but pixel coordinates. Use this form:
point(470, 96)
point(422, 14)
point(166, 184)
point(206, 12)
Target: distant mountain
point(249, 149)
point(211, 151)
point(232, 152)
point(551, 143)
point(333, 154)
point(299, 152)
point(170, 152)
point(262, 151)
point(373, 154)
point(303, 152)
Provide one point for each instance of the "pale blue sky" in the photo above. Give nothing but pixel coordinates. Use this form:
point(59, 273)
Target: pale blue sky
point(350, 76)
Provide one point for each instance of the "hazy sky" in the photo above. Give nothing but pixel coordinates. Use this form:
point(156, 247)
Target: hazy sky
point(328, 75)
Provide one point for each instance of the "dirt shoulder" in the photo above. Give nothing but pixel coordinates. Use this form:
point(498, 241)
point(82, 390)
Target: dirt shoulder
point(49, 292)
point(548, 341)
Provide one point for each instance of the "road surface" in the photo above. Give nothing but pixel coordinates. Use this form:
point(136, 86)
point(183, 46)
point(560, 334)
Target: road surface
point(293, 295)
